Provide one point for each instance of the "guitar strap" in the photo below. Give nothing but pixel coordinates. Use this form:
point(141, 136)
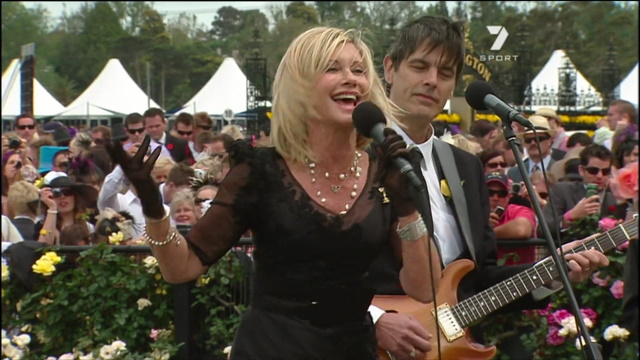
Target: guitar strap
point(445, 156)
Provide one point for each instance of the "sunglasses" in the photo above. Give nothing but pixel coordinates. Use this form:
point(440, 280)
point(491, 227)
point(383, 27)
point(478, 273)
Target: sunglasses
point(199, 201)
point(529, 140)
point(134, 131)
point(184, 132)
point(543, 195)
point(23, 127)
point(496, 164)
point(500, 193)
point(593, 170)
point(61, 192)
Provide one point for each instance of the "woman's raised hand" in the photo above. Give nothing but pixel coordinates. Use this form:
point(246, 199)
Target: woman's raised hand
point(138, 172)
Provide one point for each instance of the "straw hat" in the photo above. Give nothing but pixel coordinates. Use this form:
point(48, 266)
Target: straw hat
point(541, 124)
point(547, 112)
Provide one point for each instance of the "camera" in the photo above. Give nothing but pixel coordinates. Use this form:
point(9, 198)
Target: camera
point(14, 143)
point(515, 188)
point(56, 193)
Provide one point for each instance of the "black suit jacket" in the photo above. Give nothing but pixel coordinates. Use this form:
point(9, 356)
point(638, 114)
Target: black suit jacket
point(178, 148)
point(385, 270)
point(26, 228)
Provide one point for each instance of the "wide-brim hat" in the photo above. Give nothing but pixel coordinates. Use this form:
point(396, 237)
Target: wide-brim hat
point(61, 135)
point(87, 192)
point(547, 112)
point(541, 124)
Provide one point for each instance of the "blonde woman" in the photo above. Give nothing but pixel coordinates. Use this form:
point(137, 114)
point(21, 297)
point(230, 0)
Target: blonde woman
point(234, 131)
point(318, 203)
point(183, 209)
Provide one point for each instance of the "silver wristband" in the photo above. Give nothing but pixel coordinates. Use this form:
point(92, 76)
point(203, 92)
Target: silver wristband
point(413, 230)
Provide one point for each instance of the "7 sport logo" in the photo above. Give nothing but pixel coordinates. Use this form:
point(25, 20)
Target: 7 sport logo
point(502, 33)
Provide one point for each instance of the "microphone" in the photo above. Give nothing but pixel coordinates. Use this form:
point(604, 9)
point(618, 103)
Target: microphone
point(370, 121)
point(480, 96)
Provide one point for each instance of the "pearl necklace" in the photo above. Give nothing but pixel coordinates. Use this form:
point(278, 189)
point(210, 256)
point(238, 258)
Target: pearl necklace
point(354, 169)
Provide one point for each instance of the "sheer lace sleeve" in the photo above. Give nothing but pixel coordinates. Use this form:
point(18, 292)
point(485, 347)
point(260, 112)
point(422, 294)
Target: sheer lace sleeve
point(231, 211)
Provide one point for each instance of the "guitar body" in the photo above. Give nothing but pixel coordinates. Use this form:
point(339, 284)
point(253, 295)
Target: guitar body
point(458, 349)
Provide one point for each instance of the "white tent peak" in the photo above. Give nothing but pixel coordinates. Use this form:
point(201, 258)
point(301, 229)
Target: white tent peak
point(547, 81)
point(628, 87)
point(113, 93)
point(44, 104)
point(226, 89)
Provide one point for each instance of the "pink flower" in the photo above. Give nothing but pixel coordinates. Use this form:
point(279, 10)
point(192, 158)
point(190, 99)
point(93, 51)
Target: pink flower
point(607, 224)
point(554, 338)
point(625, 184)
point(617, 289)
point(556, 317)
point(154, 334)
point(589, 314)
point(600, 281)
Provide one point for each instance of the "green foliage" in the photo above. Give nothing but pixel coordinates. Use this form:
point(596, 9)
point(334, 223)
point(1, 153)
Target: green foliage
point(106, 297)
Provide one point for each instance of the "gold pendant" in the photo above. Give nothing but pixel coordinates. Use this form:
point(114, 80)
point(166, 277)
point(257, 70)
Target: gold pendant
point(385, 199)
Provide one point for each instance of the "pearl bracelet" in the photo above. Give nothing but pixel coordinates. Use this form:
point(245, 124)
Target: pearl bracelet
point(172, 236)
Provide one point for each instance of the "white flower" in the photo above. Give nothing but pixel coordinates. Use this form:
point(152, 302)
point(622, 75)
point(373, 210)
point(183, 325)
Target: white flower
point(67, 356)
point(4, 333)
point(107, 352)
point(227, 351)
point(12, 352)
point(54, 358)
point(568, 326)
point(5, 342)
point(580, 342)
point(89, 356)
point(615, 331)
point(143, 303)
point(150, 263)
point(120, 345)
point(588, 323)
point(21, 340)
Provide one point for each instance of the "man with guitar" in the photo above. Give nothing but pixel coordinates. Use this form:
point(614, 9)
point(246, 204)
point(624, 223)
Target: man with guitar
point(422, 69)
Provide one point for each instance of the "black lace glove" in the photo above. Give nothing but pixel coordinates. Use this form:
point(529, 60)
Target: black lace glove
point(138, 172)
point(395, 183)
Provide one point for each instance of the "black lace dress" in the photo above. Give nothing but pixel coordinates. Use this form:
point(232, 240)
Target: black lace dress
point(309, 299)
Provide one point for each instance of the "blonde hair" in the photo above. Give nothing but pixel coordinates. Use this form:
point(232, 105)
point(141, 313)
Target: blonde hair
point(306, 59)
point(181, 197)
point(164, 162)
point(234, 131)
point(81, 143)
point(19, 195)
point(469, 145)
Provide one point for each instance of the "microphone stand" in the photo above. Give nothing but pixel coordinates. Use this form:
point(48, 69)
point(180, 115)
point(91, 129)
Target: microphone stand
point(593, 353)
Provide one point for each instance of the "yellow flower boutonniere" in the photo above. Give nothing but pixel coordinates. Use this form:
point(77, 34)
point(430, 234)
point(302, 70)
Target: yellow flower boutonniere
point(116, 238)
point(445, 190)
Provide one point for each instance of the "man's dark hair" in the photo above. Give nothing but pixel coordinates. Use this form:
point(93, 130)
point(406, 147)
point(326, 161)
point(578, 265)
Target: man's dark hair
point(185, 119)
point(265, 128)
point(434, 32)
point(133, 118)
point(23, 116)
point(594, 150)
point(153, 112)
point(626, 107)
point(488, 154)
point(105, 131)
point(624, 149)
point(579, 138)
point(480, 128)
point(179, 174)
point(226, 139)
point(205, 137)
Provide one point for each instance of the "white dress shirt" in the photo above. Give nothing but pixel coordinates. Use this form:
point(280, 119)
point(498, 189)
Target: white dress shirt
point(446, 233)
point(545, 162)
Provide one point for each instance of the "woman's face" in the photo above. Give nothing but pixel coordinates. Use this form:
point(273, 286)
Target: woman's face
point(184, 214)
point(11, 168)
point(342, 86)
point(630, 156)
point(65, 199)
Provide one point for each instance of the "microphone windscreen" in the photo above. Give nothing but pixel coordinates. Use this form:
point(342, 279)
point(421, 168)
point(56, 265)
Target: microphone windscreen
point(475, 94)
point(366, 116)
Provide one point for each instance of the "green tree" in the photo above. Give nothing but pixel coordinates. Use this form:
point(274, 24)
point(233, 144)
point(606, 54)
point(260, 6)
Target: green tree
point(21, 26)
point(300, 10)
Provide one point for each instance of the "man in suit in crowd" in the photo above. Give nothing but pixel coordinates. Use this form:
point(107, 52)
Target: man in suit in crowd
point(156, 124)
point(536, 159)
point(422, 69)
point(568, 198)
point(560, 138)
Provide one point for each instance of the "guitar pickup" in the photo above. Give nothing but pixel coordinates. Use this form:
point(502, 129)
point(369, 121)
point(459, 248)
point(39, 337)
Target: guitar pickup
point(448, 323)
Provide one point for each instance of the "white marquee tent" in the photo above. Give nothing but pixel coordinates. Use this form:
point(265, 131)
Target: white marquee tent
point(628, 87)
point(227, 89)
point(112, 94)
point(44, 104)
point(547, 81)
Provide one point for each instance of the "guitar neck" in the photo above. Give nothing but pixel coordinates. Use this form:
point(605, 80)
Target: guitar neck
point(480, 305)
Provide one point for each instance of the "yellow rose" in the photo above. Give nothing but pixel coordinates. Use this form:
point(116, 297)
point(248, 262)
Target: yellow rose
point(444, 188)
point(116, 238)
point(39, 183)
point(5, 273)
point(44, 267)
point(52, 256)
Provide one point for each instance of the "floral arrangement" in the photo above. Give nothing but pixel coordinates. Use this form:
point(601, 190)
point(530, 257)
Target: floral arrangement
point(117, 306)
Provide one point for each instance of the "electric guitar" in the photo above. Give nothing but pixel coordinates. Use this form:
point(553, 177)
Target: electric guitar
point(454, 317)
